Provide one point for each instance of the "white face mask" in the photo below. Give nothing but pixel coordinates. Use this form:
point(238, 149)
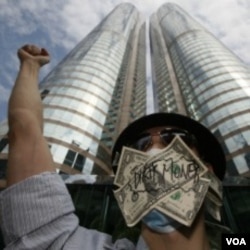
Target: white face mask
point(156, 220)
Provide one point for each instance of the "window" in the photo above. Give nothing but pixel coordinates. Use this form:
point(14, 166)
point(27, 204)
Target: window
point(75, 160)
point(3, 167)
point(44, 93)
point(80, 160)
point(3, 143)
point(70, 158)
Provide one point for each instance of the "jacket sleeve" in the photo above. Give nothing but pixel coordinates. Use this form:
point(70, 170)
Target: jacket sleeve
point(38, 213)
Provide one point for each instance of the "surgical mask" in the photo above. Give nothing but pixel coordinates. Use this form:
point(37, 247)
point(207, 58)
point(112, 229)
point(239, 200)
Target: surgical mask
point(160, 222)
point(156, 220)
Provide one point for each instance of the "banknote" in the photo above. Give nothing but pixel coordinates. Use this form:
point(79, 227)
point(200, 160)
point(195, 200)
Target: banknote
point(215, 184)
point(160, 176)
point(183, 206)
point(176, 164)
point(213, 209)
point(135, 200)
point(129, 162)
point(214, 198)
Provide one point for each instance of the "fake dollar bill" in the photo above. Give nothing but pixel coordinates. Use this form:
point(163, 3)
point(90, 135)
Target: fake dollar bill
point(213, 201)
point(215, 184)
point(213, 209)
point(130, 161)
point(183, 205)
point(160, 177)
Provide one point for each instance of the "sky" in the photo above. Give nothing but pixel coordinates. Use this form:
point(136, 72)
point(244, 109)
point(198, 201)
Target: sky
point(59, 25)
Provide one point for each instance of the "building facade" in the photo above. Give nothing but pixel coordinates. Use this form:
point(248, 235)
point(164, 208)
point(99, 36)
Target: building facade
point(89, 97)
point(196, 75)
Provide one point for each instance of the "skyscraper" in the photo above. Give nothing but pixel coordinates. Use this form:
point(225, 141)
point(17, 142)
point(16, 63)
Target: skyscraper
point(195, 74)
point(97, 89)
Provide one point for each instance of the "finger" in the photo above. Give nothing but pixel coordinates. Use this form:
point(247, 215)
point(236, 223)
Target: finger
point(25, 47)
point(31, 49)
point(44, 52)
point(34, 50)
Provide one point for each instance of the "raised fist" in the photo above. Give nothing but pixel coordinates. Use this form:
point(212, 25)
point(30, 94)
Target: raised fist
point(33, 54)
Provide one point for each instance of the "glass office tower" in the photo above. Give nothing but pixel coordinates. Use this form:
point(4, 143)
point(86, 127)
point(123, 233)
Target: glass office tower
point(196, 75)
point(97, 89)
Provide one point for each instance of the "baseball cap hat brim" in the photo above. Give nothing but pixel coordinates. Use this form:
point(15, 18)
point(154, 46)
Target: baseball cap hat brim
point(209, 147)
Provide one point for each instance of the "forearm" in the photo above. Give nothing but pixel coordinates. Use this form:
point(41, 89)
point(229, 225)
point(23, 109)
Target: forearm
point(25, 97)
point(28, 150)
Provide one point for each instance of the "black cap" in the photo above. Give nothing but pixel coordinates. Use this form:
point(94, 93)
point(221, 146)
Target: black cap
point(208, 145)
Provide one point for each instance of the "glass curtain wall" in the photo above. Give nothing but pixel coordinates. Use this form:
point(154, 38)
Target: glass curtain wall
point(84, 94)
point(214, 86)
point(214, 83)
point(163, 89)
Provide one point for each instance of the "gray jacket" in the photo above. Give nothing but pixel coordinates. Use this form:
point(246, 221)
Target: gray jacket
point(38, 213)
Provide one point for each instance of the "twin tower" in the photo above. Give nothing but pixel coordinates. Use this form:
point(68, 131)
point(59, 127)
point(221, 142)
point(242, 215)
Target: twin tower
point(102, 85)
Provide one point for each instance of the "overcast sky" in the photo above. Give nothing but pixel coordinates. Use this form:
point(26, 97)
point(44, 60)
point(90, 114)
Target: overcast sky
point(60, 25)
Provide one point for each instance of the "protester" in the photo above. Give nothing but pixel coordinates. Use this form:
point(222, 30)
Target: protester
point(36, 209)
point(151, 134)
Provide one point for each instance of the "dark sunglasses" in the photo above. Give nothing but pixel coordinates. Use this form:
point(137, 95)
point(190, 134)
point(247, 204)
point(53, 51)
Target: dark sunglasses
point(144, 140)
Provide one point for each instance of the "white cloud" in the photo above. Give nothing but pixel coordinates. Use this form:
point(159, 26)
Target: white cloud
point(5, 93)
point(228, 20)
point(67, 22)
